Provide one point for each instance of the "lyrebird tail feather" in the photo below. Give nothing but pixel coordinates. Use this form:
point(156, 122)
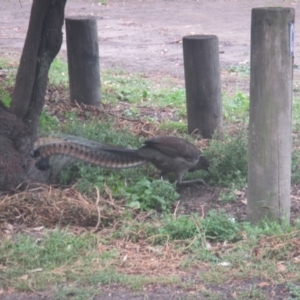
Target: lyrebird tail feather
point(87, 151)
point(166, 153)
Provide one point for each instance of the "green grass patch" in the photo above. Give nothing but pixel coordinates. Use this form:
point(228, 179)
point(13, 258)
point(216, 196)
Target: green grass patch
point(60, 257)
point(9, 69)
point(58, 248)
point(229, 161)
point(236, 108)
point(58, 73)
point(241, 68)
point(118, 85)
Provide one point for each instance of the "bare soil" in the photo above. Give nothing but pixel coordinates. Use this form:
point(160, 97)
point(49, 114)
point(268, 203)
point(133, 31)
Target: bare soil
point(144, 36)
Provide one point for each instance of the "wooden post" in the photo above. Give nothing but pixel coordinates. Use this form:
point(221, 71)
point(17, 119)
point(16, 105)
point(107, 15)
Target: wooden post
point(203, 84)
point(270, 125)
point(83, 60)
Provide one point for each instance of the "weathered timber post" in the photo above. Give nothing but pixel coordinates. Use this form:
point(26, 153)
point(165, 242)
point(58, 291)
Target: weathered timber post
point(269, 155)
point(203, 84)
point(83, 60)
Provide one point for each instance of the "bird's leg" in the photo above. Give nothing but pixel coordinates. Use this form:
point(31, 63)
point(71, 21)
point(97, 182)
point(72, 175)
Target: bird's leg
point(162, 175)
point(184, 182)
point(43, 164)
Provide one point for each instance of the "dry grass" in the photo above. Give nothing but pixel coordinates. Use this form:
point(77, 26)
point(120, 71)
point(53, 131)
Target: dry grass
point(47, 207)
point(50, 207)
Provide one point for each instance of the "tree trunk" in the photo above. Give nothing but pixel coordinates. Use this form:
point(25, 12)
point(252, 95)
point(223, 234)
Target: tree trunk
point(203, 84)
point(83, 60)
point(19, 124)
point(270, 123)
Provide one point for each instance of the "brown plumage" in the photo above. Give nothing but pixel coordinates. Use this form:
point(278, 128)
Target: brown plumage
point(166, 153)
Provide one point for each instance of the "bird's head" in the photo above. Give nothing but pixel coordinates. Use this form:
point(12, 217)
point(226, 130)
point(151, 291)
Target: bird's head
point(202, 164)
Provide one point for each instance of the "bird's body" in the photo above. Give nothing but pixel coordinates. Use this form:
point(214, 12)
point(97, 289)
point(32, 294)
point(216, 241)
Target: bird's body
point(166, 153)
point(170, 155)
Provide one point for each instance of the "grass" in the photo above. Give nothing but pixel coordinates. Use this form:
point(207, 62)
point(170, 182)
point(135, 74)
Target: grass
point(236, 108)
point(150, 236)
point(242, 68)
point(58, 73)
point(59, 256)
point(78, 293)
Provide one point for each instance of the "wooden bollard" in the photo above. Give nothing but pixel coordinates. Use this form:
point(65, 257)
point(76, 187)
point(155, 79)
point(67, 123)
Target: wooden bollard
point(203, 84)
point(270, 124)
point(83, 60)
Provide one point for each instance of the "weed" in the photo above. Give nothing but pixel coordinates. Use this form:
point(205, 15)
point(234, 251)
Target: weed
point(294, 290)
point(103, 2)
point(89, 176)
point(295, 175)
point(135, 88)
point(133, 231)
point(7, 81)
point(48, 124)
point(220, 226)
point(296, 114)
point(242, 68)
point(58, 73)
point(174, 97)
point(179, 127)
point(229, 195)
point(183, 227)
point(228, 157)
point(5, 97)
point(265, 228)
point(131, 112)
point(123, 86)
point(251, 293)
point(139, 191)
point(9, 69)
point(155, 194)
point(236, 108)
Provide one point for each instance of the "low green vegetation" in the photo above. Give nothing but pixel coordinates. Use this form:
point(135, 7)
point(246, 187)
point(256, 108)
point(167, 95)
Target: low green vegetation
point(144, 221)
point(58, 74)
point(236, 108)
point(242, 68)
point(59, 256)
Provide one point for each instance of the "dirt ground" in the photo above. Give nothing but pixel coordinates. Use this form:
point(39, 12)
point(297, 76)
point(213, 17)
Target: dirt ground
point(145, 36)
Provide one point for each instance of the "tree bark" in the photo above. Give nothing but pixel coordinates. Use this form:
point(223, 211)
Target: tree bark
point(43, 42)
point(19, 124)
point(203, 84)
point(83, 60)
point(270, 124)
